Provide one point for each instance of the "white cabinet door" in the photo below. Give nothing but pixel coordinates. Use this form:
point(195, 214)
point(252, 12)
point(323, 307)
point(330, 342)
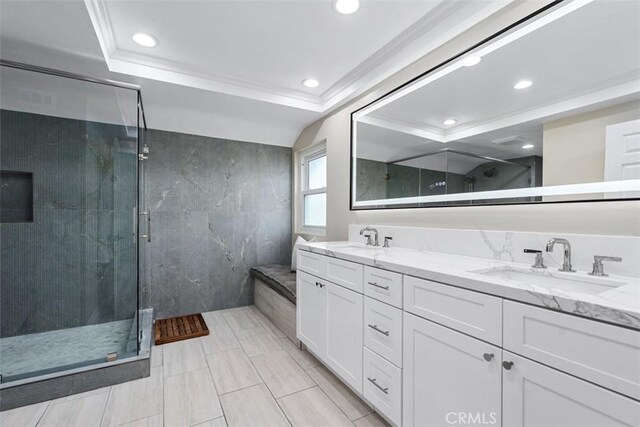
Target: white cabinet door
point(344, 323)
point(535, 395)
point(311, 313)
point(448, 378)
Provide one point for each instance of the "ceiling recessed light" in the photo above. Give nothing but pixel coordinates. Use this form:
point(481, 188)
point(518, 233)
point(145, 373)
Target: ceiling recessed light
point(528, 146)
point(523, 84)
point(311, 83)
point(144, 39)
point(471, 61)
point(346, 7)
point(449, 122)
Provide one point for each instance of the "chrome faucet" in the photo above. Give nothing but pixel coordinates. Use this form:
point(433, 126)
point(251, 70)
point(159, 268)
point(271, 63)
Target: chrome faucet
point(375, 237)
point(566, 265)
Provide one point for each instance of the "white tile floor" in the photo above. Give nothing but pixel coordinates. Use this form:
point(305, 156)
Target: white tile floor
point(244, 373)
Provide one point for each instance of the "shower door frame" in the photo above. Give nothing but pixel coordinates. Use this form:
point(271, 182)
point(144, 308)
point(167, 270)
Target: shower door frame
point(137, 225)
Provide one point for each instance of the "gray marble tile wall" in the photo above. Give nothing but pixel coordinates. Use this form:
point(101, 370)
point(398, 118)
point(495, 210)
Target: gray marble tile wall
point(59, 270)
point(371, 180)
point(218, 208)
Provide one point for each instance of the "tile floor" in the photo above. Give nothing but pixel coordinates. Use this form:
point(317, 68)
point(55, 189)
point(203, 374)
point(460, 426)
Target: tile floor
point(244, 373)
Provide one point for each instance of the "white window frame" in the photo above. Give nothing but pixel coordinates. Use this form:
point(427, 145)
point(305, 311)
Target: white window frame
point(303, 178)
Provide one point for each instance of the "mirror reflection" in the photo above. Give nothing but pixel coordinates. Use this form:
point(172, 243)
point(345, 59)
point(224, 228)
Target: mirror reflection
point(548, 111)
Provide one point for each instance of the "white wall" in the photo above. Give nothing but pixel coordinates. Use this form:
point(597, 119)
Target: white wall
point(574, 147)
point(614, 218)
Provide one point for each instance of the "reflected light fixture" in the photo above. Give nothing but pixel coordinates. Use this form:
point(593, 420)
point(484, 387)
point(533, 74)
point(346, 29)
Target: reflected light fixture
point(346, 7)
point(449, 122)
point(522, 84)
point(144, 39)
point(310, 83)
point(471, 61)
point(528, 146)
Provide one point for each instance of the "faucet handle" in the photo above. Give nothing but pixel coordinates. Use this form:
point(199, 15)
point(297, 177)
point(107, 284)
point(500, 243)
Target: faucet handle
point(598, 267)
point(386, 242)
point(369, 241)
point(539, 262)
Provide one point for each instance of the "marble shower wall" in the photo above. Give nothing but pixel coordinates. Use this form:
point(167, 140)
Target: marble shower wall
point(218, 208)
point(74, 265)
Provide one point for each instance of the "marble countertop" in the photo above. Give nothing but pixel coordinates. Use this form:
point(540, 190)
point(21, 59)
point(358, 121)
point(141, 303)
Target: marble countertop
point(613, 299)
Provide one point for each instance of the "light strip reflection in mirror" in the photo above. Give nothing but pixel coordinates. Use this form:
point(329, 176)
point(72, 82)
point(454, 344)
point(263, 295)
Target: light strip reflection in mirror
point(501, 42)
point(632, 185)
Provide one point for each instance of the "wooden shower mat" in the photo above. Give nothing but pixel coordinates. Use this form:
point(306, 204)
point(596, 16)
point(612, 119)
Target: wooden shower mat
point(180, 328)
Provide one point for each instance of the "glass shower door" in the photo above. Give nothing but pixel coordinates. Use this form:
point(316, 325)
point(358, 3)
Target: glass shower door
point(68, 218)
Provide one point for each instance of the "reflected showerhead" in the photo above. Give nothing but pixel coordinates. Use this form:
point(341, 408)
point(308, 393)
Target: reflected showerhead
point(490, 173)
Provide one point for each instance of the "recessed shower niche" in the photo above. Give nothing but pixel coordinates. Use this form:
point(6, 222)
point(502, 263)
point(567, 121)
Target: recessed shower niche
point(16, 196)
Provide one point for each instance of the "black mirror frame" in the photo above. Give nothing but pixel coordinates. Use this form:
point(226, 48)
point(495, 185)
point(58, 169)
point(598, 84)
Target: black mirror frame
point(431, 70)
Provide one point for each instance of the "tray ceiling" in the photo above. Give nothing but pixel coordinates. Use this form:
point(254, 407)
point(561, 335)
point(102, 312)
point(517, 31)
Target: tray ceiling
point(263, 49)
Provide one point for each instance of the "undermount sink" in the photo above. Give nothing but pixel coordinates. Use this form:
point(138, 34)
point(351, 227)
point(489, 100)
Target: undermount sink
point(557, 281)
point(361, 246)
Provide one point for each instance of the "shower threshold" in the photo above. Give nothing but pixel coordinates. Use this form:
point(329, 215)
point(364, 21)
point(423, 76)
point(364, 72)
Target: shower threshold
point(93, 342)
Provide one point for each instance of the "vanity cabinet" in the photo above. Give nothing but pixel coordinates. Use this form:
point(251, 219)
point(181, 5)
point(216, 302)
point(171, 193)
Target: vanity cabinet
point(536, 395)
point(424, 353)
point(448, 376)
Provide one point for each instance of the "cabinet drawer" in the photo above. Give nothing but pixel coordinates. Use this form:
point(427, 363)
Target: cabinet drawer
point(383, 330)
point(312, 263)
point(383, 285)
point(383, 386)
point(603, 354)
point(473, 313)
point(344, 273)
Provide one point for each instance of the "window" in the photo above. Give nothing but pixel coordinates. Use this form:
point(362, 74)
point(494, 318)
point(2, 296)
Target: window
point(313, 194)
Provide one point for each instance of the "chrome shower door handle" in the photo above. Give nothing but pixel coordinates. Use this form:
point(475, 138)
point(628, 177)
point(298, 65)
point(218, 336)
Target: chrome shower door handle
point(148, 235)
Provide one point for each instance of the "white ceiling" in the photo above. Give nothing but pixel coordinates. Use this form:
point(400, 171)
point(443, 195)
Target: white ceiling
point(589, 57)
point(232, 69)
point(386, 145)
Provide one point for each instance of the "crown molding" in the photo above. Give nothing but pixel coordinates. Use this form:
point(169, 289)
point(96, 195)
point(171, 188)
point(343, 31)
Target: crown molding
point(415, 42)
point(420, 38)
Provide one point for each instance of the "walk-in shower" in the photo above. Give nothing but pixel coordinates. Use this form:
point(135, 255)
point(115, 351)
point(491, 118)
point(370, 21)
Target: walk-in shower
point(70, 213)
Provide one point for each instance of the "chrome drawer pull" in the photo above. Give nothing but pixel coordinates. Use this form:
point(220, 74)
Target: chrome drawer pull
point(385, 390)
point(375, 328)
point(386, 288)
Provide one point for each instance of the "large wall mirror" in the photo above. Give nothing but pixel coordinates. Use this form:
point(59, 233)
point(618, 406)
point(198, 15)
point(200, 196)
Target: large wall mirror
point(547, 110)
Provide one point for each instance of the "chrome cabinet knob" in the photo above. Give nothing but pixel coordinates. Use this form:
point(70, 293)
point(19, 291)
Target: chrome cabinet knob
point(507, 365)
point(488, 357)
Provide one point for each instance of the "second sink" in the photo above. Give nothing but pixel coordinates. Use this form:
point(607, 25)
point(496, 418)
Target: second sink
point(545, 279)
